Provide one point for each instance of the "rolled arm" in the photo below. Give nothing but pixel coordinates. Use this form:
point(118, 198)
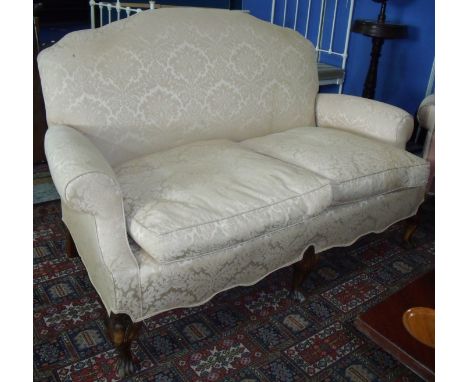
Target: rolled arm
point(366, 117)
point(92, 207)
point(84, 179)
point(426, 118)
point(426, 113)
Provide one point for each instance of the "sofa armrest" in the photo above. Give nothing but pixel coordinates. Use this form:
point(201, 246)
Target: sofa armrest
point(84, 179)
point(366, 117)
point(93, 211)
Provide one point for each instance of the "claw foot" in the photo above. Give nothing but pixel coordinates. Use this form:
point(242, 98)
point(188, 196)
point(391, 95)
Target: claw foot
point(125, 367)
point(122, 331)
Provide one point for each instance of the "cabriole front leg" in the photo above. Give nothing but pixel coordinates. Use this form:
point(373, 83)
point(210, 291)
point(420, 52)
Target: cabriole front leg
point(70, 247)
point(301, 270)
point(411, 226)
point(122, 331)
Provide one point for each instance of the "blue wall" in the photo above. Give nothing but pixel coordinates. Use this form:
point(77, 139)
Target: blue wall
point(404, 66)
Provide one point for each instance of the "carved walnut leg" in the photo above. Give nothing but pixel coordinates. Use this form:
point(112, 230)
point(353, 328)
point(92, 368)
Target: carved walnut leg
point(411, 226)
point(302, 270)
point(122, 331)
point(70, 248)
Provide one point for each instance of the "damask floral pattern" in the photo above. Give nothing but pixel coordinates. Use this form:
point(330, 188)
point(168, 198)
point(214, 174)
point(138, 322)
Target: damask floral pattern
point(198, 198)
point(127, 90)
point(194, 281)
point(157, 80)
point(357, 167)
point(367, 117)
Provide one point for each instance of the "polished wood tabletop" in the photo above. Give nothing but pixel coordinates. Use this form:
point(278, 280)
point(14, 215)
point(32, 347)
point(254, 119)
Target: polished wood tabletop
point(384, 325)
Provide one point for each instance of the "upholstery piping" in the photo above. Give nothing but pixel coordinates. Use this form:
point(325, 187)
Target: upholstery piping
point(233, 216)
point(274, 270)
point(269, 234)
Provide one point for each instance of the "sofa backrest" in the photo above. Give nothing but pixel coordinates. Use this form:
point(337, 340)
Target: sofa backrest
point(172, 76)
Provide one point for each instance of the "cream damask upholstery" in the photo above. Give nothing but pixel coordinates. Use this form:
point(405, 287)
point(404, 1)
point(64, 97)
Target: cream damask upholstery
point(185, 149)
point(426, 118)
point(357, 167)
point(195, 199)
point(372, 119)
point(164, 78)
point(193, 282)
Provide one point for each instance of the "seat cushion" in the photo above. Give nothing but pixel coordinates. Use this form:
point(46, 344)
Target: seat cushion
point(357, 167)
point(195, 199)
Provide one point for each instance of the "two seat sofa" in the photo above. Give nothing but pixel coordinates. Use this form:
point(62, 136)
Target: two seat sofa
point(193, 153)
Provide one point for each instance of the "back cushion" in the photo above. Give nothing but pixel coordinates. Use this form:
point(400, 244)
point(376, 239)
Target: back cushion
point(172, 76)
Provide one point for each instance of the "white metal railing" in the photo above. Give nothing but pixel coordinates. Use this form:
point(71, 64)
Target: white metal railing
point(119, 10)
point(121, 7)
point(327, 22)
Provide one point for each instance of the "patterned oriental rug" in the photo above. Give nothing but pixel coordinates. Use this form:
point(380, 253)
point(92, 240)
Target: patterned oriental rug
point(255, 333)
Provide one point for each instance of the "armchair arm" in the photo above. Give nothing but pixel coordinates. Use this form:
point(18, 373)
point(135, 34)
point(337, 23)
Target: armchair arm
point(92, 208)
point(366, 117)
point(426, 113)
point(426, 118)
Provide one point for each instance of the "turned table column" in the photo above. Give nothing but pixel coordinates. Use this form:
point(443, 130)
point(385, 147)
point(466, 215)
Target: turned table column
point(379, 31)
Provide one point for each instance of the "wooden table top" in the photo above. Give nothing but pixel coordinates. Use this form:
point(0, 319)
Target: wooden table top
point(384, 325)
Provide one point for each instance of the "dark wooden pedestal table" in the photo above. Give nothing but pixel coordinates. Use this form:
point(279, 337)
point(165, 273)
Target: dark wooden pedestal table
point(379, 30)
point(383, 324)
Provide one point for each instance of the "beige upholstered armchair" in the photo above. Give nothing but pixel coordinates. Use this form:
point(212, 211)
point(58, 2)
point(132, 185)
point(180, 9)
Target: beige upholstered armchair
point(192, 154)
point(426, 118)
